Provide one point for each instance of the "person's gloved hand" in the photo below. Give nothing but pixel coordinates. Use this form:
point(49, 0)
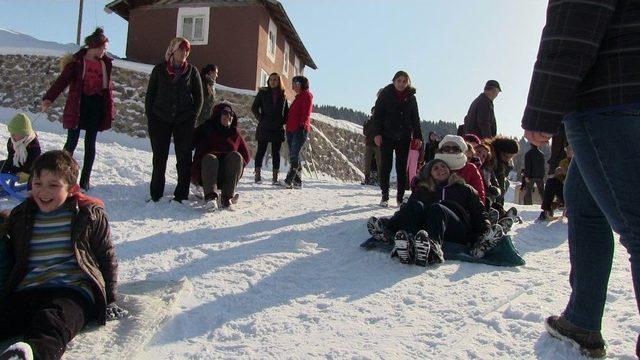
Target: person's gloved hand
point(115, 312)
point(23, 177)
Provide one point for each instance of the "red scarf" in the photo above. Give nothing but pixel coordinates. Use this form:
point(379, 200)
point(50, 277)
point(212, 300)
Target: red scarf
point(176, 74)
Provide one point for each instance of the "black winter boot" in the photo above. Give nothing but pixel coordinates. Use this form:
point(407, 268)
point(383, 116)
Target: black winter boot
point(258, 178)
point(274, 179)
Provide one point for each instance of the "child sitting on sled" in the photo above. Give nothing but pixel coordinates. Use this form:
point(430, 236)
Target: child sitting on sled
point(23, 148)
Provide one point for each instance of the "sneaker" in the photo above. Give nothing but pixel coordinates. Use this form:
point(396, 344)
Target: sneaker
point(211, 202)
point(487, 241)
point(493, 216)
point(18, 351)
point(377, 229)
point(589, 343)
point(421, 248)
point(403, 247)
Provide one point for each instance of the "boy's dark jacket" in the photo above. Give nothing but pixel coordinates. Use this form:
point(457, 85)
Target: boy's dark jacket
point(91, 240)
point(463, 200)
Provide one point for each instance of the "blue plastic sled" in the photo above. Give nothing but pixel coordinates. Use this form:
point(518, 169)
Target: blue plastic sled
point(504, 254)
point(10, 188)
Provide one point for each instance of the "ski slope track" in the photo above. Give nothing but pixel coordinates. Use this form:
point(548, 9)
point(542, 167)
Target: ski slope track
point(282, 276)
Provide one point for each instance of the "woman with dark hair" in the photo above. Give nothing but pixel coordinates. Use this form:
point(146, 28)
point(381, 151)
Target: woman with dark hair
point(270, 107)
point(172, 105)
point(442, 208)
point(431, 147)
point(89, 105)
point(220, 157)
point(396, 123)
point(298, 127)
point(209, 75)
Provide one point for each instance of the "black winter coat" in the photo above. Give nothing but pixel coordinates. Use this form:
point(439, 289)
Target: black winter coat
point(534, 164)
point(481, 119)
point(463, 200)
point(33, 151)
point(367, 128)
point(271, 117)
point(173, 101)
point(396, 120)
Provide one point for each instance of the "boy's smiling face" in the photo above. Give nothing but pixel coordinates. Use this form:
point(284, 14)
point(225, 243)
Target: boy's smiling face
point(49, 191)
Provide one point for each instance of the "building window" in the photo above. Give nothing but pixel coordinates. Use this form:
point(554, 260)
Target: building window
point(271, 40)
point(296, 67)
point(285, 66)
point(264, 78)
point(193, 24)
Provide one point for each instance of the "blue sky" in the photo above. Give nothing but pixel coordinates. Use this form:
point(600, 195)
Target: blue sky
point(449, 47)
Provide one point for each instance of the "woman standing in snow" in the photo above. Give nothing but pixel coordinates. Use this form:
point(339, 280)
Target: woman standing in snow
point(442, 208)
point(270, 107)
point(298, 127)
point(89, 105)
point(396, 123)
point(172, 105)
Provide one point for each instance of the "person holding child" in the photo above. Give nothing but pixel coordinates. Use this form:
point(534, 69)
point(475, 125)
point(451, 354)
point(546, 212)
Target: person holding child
point(64, 264)
point(89, 105)
point(221, 154)
point(23, 148)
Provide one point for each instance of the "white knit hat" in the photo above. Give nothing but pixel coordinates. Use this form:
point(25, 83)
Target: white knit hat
point(458, 140)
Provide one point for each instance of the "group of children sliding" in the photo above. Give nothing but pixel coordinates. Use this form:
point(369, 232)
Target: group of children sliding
point(452, 200)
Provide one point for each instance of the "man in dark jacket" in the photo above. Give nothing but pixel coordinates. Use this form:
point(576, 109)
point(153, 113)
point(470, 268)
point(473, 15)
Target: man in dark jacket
point(533, 173)
point(587, 74)
point(481, 119)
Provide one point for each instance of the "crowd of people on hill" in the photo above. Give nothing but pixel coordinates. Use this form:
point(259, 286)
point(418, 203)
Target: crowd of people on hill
point(57, 247)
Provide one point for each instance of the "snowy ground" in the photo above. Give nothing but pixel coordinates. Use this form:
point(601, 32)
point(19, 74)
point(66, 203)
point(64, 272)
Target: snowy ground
point(282, 276)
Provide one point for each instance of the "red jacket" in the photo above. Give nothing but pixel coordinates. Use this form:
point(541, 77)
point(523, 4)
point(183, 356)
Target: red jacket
point(213, 138)
point(299, 116)
point(472, 176)
point(72, 76)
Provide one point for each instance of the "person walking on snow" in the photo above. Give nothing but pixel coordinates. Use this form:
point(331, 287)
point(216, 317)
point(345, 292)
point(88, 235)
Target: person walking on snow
point(481, 119)
point(533, 173)
point(89, 105)
point(396, 123)
point(587, 75)
point(172, 105)
point(270, 107)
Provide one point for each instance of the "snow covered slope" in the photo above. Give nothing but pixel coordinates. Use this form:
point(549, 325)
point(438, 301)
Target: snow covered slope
point(282, 276)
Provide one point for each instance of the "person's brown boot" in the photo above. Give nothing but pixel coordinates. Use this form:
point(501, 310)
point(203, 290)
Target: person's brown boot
point(589, 343)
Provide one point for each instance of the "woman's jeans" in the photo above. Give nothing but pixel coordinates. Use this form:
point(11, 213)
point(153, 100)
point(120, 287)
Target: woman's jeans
point(602, 193)
point(296, 141)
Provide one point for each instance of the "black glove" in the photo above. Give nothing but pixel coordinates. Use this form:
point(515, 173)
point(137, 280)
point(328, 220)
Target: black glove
point(115, 312)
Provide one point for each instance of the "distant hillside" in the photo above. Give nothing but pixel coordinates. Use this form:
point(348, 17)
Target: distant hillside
point(358, 117)
point(342, 113)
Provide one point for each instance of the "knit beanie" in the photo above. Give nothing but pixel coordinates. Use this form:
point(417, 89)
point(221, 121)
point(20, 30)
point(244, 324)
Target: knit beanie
point(458, 140)
point(425, 172)
point(20, 125)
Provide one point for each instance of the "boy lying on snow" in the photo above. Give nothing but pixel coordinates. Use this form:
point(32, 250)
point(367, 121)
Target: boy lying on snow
point(64, 269)
point(442, 208)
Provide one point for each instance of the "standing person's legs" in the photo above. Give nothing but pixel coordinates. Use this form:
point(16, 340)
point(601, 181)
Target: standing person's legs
point(275, 154)
point(262, 149)
point(302, 138)
point(386, 151)
point(160, 137)
point(231, 174)
point(90, 138)
point(72, 140)
point(540, 186)
point(182, 136)
point(600, 195)
point(402, 157)
point(528, 195)
point(368, 153)
point(552, 189)
point(209, 172)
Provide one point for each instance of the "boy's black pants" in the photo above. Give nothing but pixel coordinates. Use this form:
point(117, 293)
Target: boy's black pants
point(46, 319)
